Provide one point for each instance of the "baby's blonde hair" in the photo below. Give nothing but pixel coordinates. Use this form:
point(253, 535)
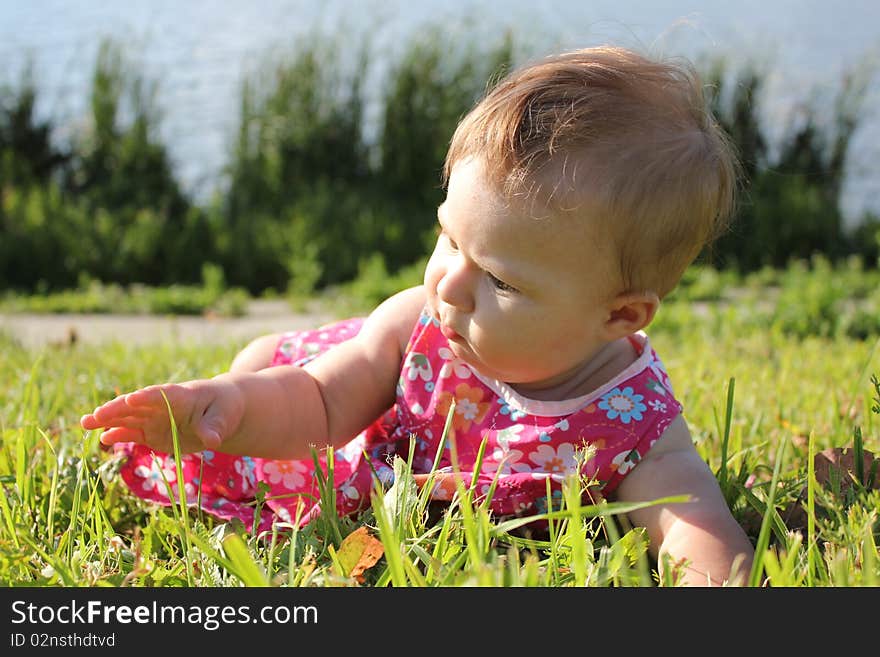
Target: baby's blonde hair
point(606, 128)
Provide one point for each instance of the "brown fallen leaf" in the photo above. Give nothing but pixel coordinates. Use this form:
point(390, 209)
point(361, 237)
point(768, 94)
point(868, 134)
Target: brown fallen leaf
point(358, 552)
point(834, 463)
point(837, 463)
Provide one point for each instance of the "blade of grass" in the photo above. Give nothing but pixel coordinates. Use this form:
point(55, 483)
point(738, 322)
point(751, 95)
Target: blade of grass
point(589, 511)
point(335, 562)
point(53, 488)
point(869, 559)
point(181, 490)
point(575, 530)
point(552, 530)
point(859, 455)
point(245, 567)
point(415, 576)
point(812, 546)
point(393, 557)
point(790, 564)
point(8, 519)
point(728, 417)
point(237, 560)
point(329, 516)
point(442, 544)
point(779, 527)
point(27, 435)
point(764, 534)
point(76, 503)
point(294, 534)
point(428, 485)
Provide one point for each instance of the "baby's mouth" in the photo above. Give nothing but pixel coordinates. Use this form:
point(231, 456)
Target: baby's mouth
point(449, 333)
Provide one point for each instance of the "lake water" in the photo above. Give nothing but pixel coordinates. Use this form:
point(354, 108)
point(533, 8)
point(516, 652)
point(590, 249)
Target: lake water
point(200, 50)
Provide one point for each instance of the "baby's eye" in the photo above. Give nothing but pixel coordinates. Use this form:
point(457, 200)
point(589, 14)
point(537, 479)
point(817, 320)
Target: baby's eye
point(499, 284)
point(449, 241)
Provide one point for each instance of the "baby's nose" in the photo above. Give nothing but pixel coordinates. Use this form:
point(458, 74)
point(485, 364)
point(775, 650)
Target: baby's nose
point(455, 288)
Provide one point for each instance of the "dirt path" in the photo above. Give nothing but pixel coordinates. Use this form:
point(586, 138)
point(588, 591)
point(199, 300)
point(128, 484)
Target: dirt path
point(36, 330)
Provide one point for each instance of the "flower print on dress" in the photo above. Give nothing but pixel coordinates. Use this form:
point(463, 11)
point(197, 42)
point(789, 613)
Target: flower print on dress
point(295, 350)
point(626, 461)
point(469, 406)
point(191, 491)
point(661, 385)
point(283, 514)
point(384, 472)
point(311, 348)
point(289, 346)
point(445, 485)
point(452, 365)
point(505, 463)
point(352, 451)
point(244, 466)
point(624, 404)
point(655, 386)
point(503, 459)
point(657, 406)
point(153, 475)
point(290, 474)
point(349, 490)
point(426, 318)
point(509, 435)
point(418, 366)
point(514, 413)
point(225, 485)
point(541, 505)
point(557, 463)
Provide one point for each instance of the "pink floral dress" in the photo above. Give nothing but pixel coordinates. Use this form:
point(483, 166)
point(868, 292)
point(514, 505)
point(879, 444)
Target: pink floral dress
point(528, 442)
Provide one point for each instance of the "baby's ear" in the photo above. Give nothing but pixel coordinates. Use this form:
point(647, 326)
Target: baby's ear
point(630, 312)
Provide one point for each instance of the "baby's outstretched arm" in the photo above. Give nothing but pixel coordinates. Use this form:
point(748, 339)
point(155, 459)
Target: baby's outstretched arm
point(278, 412)
point(701, 534)
point(238, 413)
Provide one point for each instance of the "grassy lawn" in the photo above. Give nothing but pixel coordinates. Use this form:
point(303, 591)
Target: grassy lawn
point(772, 406)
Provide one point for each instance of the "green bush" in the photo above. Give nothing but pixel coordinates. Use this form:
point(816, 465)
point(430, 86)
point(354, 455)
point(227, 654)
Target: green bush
point(703, 283)
point(817, 299)
point(790, 203)
point(27, 154)
point(374, 283)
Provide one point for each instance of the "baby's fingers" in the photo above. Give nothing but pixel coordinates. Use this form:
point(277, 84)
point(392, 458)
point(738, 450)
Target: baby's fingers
point(131, 421)
point(153, 396)
point(122, 435)
point(101, 418)
point(114, 413)
point(144, 403)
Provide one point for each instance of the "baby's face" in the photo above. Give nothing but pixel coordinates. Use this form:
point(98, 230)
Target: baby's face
point(520, 299)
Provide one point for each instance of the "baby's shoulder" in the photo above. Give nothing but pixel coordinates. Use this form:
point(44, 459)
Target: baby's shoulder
point(395, 317)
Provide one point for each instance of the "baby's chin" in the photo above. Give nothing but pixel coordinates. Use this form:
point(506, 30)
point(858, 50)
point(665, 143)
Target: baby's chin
point(463, 352)
point(486, 366)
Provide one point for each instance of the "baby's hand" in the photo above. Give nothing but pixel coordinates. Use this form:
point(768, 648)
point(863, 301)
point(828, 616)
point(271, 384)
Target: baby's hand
point(206, 412)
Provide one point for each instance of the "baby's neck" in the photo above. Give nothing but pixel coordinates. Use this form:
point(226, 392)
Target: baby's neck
point(609, 361)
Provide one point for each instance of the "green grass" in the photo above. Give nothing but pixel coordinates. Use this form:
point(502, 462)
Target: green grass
point(761, 402)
